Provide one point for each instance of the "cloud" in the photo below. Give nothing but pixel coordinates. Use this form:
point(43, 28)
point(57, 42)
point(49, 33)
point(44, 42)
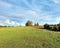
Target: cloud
point(56, 1)
point(18, 24)
point(9, 22)
point(32, 13)
point(38, 10)
point(26, 2)
point(2, 17)
point(42, 16)
point(32, 6)
point(5, 4)
point(1, 24)
point(46, 18)
point(57, 20)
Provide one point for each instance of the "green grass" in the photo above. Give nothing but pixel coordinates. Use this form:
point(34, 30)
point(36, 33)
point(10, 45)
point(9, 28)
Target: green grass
point(28, 37)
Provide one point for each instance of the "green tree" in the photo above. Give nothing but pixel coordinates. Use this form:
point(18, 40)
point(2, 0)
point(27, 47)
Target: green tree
point(55, 28)
point(46, 26)
point(36, 24)
point(28, 23)
point(58, 28)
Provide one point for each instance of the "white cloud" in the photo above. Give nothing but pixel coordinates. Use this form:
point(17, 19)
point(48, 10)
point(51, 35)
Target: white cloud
point(32, 6)
point(33, 1)
point(17, 24)
point(57, 20)
point(41, 16)
point(46, 18)
point(5, 4)
point(12, 22)
point(26, 2)
point(56, 1)
point(9, 22)
point(16, 14)
point(2, 17)
point(32, 13)
point(1, 24)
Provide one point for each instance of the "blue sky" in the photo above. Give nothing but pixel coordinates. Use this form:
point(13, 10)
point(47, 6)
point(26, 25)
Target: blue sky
point(18, 12)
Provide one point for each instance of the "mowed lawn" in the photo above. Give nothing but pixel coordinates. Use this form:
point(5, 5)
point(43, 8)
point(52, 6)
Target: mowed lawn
point(28, 37)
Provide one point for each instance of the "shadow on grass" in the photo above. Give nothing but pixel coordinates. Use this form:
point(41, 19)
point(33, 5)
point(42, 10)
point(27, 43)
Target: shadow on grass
point(53, 30)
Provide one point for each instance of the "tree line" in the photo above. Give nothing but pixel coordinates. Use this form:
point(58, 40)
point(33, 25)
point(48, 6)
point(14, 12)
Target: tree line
point(30, 23)
point(54, 27)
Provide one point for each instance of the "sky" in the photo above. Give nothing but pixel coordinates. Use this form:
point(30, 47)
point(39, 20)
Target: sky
point(18, 12)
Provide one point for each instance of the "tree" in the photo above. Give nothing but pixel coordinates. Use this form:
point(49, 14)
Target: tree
point(55, 28)
point(28, 23)
point(46, 26)
point(58, 28)
point(36, 24)
point(58, 24)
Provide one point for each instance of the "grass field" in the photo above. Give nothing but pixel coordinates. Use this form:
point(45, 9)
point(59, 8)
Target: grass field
point(28, 37)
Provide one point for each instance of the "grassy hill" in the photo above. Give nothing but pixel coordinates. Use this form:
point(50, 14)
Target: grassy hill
point(28, 37)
